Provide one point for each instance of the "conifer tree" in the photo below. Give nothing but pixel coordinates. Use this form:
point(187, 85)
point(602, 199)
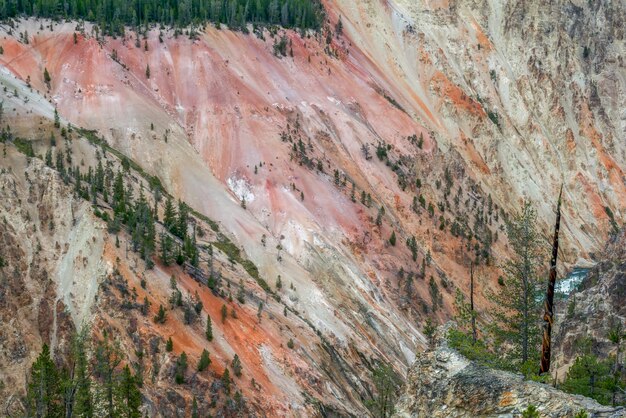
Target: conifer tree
point(224, 312)
point(169, 215)
point(108, 357)
point(226, 380)
point(181, 222)
point(209, 329)
point(194, 409)
point(204, 361)
point(45, 397)
point(46, 77)
point(236, 365)
point(129, 396)
point(161, 316)
point(518, 303)
point(81, 388)
point(181, 368)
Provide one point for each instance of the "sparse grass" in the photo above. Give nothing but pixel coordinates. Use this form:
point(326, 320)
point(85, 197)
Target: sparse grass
point(24, 146)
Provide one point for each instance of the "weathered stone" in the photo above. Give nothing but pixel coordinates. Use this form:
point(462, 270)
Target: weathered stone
point(442, 383)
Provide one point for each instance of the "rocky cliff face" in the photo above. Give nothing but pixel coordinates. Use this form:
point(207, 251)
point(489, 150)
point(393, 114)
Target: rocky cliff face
point(597, 308)
point(442, 383)
point(437, 118)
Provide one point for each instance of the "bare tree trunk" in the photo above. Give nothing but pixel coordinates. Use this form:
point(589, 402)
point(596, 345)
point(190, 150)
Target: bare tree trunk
point(548, 315)
point(474, 336)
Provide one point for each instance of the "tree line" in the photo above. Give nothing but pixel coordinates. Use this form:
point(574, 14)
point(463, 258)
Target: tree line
point(93, 382)
point(113, 15)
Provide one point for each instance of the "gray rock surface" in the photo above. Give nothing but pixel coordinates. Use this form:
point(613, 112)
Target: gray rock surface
point(442, 383)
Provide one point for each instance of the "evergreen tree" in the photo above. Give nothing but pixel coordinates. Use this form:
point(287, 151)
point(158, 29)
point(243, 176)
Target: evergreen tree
point(236, 365)
point(240, 293)
point(209, 328)
point(128, 394)
point(169, 215)
point(166, 249)
point(108, 357)
point(518, 303)
point(392, 239)
point(226, 380)
point(204, 361)
point(379, 216)
point(49, 158)
point(224, 312)
point(194, 409)
point(592, 376)
point(161, 316)
point(119, 201)
point(83, 401)
point(169, 345)
point(386, 383)
point(181, 222)
point(45, 396)
point(46, 77)
point(113, 15)
point(181, 368)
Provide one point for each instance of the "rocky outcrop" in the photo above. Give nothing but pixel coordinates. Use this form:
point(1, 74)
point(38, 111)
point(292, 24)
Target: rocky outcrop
point(442, 383)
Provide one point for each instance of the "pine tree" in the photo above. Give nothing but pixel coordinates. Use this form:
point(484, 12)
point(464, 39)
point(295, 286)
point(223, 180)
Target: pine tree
point(226, 380)
point(181, 222)
point(240, 292)
point(224, 312)
point(45, 397)
point(518, 302)
point(119, 198)
point(379, 217)
point(161, 316)
point(108, 357)
point(60, 165)
point(147, 71)
point(166, 249)
point(83, 403)
point(194, 409)
point(429, 331)
point(392, 239)
point(236, 365)
point(209, 328)
point(46, 77)
point(204, 361)
point(169, 215)
point(129, 396)
point(181, 368)
point(49, 158)
point(591, 376)
point(386, 383)
point(169, 345)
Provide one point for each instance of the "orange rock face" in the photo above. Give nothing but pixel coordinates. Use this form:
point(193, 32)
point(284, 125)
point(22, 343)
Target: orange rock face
point(425, 121)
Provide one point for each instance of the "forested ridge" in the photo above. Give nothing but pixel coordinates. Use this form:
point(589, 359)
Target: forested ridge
point(113, 15)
